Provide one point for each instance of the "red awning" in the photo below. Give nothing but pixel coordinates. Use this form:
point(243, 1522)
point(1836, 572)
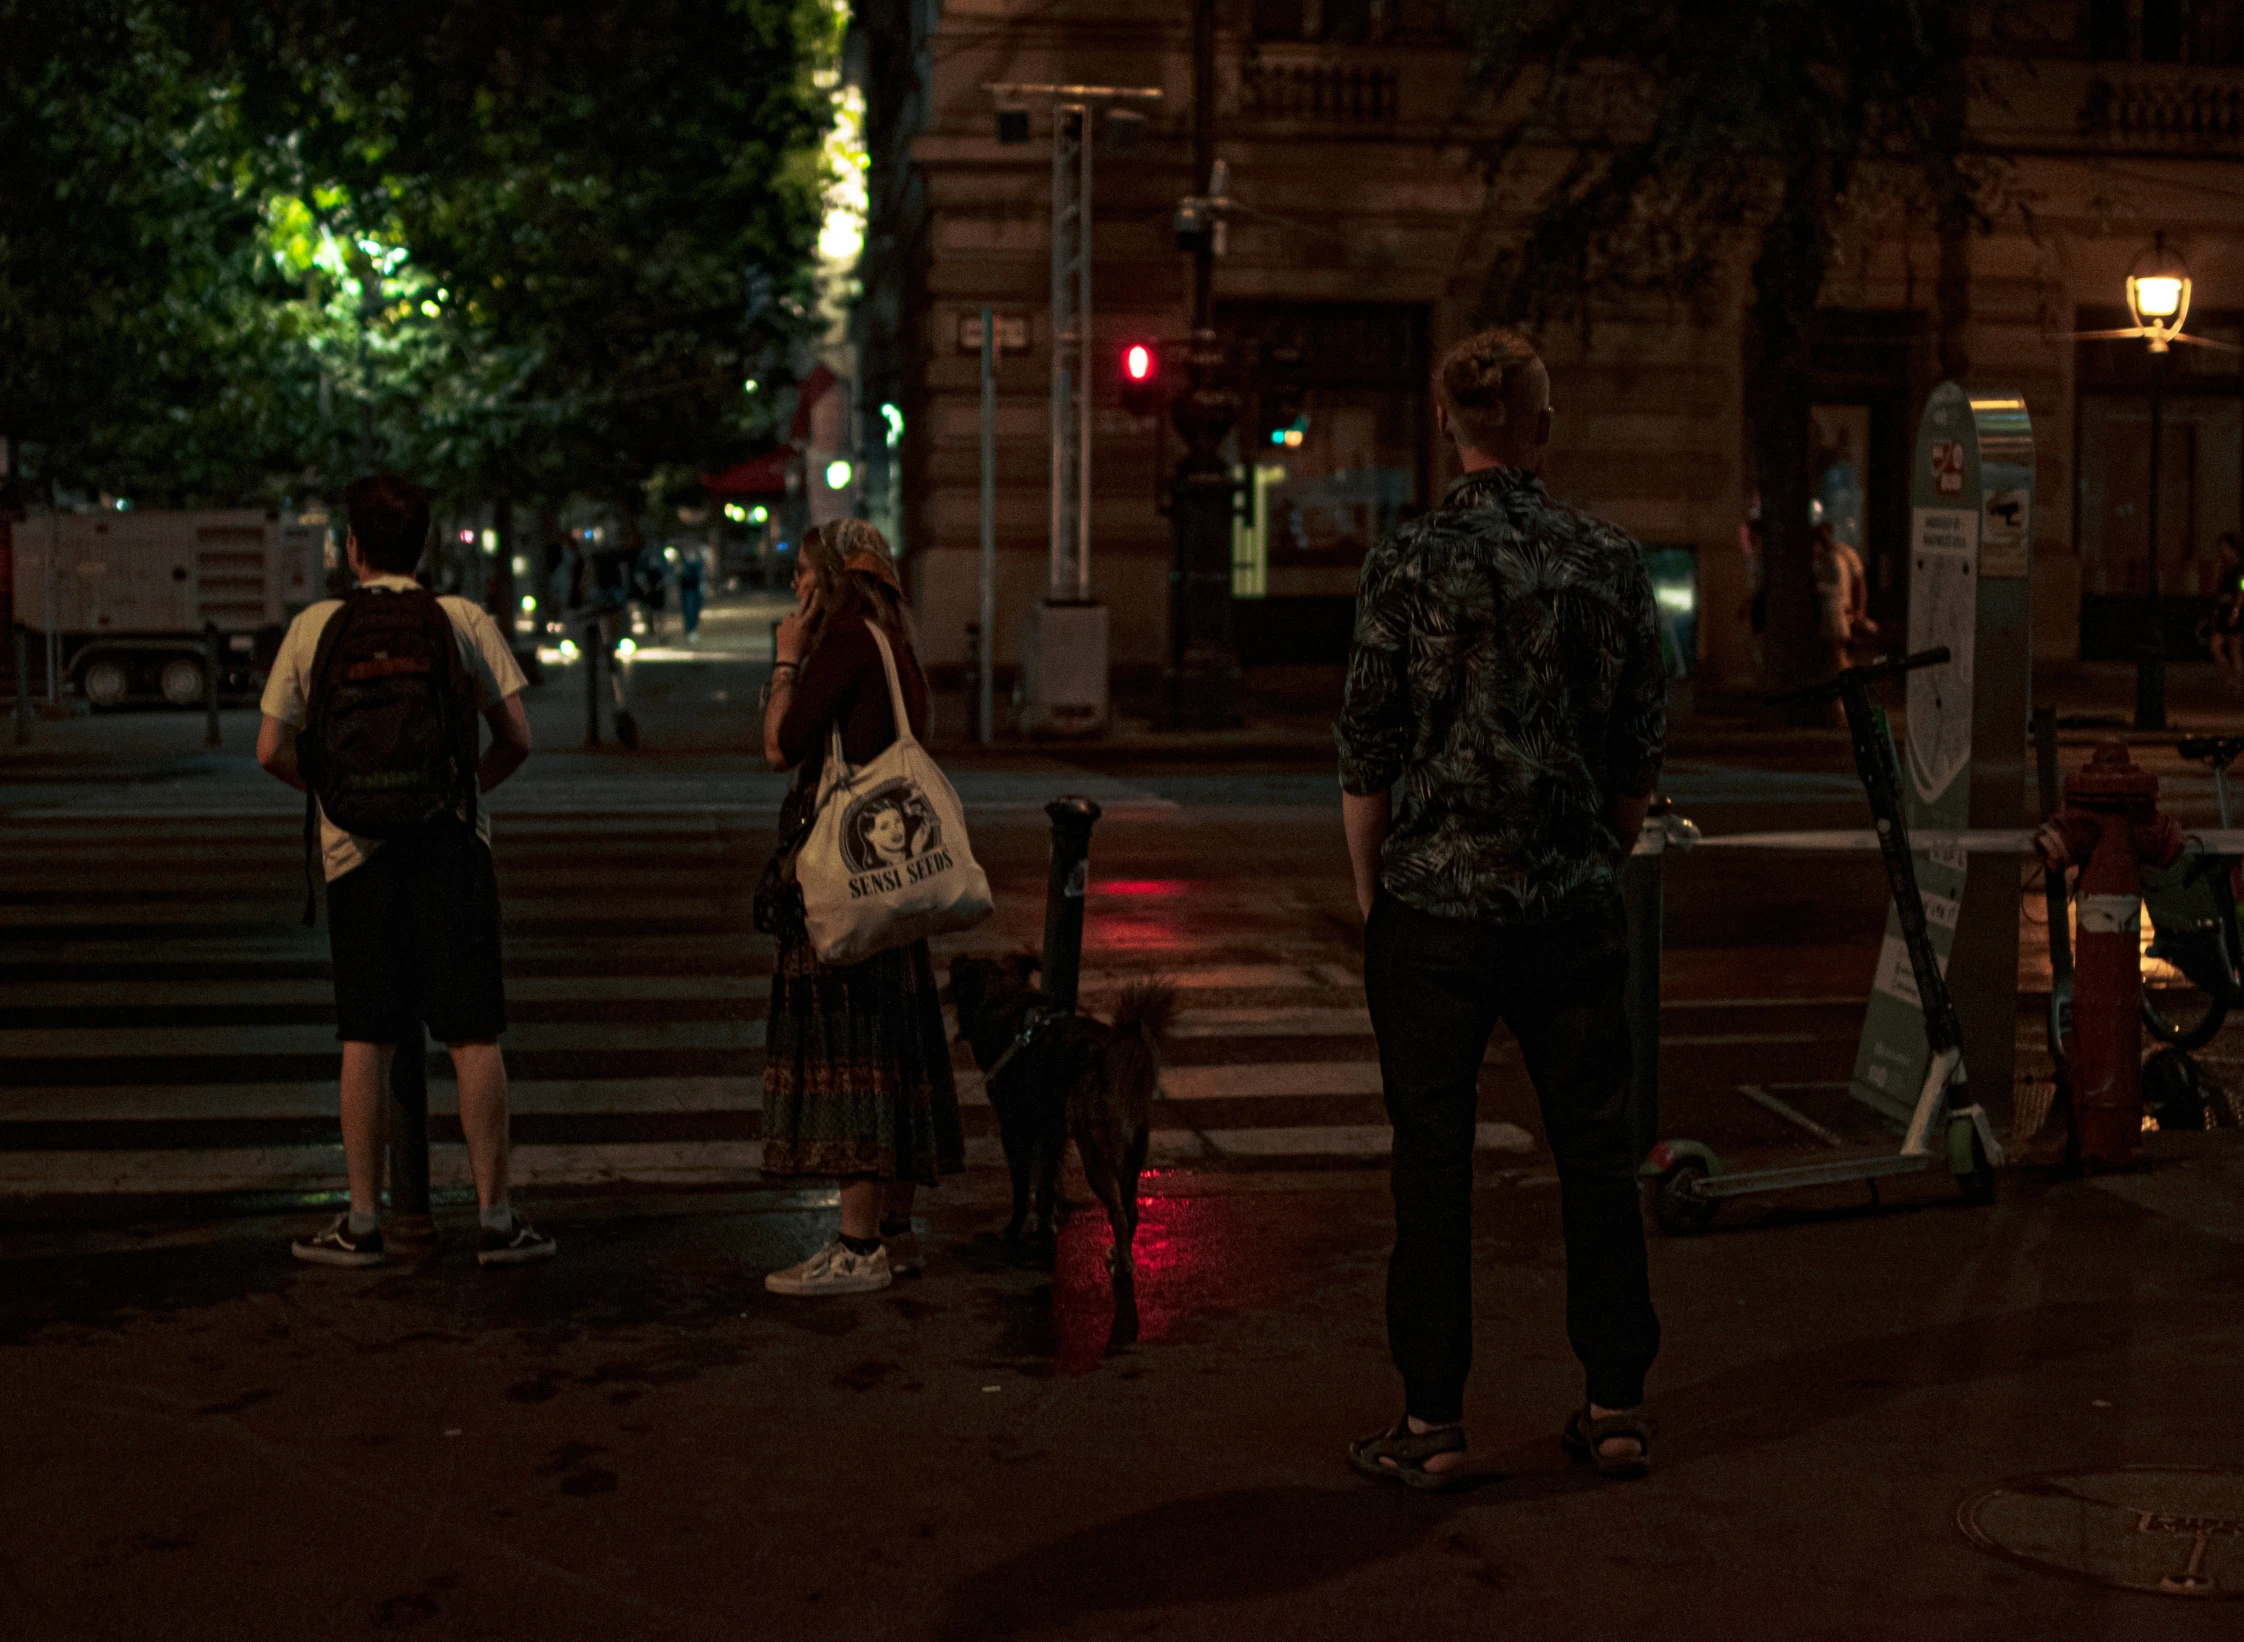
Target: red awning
point(808, 392)
point(764, 475)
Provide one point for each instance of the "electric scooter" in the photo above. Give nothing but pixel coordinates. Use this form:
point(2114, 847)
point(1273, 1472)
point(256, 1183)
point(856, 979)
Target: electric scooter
point(1945, 1127)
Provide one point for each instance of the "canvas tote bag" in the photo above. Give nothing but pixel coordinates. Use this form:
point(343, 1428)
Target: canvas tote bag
point(886, 862)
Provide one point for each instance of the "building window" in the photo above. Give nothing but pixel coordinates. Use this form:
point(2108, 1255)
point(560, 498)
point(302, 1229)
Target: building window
point(1338, 22)
point(2109, 38)
point(1329, 482)
point(2200, 483)
point(2207, 32)
point(2162, 31)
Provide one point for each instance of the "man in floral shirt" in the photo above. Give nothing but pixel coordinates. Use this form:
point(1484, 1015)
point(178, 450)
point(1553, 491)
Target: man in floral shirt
point(1503, 729)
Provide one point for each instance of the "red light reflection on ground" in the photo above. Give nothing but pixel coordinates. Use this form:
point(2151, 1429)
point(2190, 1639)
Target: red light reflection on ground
point(1186, 1263)
point(1140, 886)
point(1142, 934)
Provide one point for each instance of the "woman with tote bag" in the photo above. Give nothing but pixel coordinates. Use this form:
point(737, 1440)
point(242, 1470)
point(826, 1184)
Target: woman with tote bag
point(857, 1065)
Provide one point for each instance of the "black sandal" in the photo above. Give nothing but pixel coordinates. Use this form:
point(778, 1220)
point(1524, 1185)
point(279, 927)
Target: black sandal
point(1584, 1438)
point(1399, 1454)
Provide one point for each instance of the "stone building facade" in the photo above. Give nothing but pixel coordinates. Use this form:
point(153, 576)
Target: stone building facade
point(1365, 230)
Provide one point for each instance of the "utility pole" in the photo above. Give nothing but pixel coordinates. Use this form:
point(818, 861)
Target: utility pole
point(1203, 675)
point(1064, 649)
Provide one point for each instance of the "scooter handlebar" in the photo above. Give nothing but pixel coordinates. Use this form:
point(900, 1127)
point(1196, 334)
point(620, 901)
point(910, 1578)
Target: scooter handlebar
point(1868, 672)
point(2211, 749)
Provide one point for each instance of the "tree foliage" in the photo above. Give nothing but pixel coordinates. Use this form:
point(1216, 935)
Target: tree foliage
point(1694, 133)
point(523, 248)
point(135, 341)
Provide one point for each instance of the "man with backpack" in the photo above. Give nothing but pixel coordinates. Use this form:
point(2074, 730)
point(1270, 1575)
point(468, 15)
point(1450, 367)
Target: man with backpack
point(371, 711)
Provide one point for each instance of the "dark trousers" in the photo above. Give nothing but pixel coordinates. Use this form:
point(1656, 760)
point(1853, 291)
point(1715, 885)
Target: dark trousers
point(1437, 988)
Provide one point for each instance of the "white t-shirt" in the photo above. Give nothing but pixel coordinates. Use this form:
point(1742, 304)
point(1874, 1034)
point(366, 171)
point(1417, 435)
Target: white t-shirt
point(288, 694)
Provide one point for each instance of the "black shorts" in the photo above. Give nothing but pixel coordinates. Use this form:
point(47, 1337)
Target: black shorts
point(414, 930)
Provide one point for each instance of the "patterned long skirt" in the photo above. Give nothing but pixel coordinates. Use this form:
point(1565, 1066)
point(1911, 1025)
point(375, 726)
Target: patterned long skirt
point(857, 1070)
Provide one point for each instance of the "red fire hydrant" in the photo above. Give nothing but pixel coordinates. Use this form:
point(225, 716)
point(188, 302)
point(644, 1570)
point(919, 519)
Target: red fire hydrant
point(2112, 826)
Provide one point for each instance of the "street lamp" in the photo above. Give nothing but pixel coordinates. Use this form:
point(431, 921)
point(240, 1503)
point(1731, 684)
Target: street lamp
point(2158, 292)
point(2158, 295)
point(2158, 300)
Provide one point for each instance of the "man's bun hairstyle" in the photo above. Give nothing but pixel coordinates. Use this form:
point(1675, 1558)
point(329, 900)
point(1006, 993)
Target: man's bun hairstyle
point(1484, 382)
point(389, 514)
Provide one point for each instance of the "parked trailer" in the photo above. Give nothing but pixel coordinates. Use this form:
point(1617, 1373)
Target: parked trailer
point(119, 604)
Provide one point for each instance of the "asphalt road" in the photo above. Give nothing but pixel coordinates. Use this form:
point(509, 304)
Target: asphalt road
point(205, 1440)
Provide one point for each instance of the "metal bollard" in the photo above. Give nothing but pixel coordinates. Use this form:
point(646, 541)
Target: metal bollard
point(592, 685)
point(974, 728)
point(23, 685)
point(409, 1140)
point(1072, 821)
point(210, 684)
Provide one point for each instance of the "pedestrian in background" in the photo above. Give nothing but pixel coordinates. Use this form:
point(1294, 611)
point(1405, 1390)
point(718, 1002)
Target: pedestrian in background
point(689, 593)
point(2227, 637)
point(650, 583)
point(412, 920)
point(857, 1063)
point(1842, 598)
point(1506, 673)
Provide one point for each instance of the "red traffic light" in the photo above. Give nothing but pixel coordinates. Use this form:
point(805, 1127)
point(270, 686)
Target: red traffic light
point(1140, 380)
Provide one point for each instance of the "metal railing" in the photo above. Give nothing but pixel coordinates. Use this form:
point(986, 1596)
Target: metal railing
point(1340, 94)
point(2164, 113)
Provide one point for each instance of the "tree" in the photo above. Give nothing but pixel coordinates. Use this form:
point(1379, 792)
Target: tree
point(1694, 129)
point(580, 226)
point(524, 248)
point(137, 353)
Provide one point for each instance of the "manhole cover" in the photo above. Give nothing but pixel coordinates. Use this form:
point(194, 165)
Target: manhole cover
point(2177, 1531)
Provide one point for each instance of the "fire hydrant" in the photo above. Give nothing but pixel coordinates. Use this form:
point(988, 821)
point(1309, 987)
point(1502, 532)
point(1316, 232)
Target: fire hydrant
point(2111, 825)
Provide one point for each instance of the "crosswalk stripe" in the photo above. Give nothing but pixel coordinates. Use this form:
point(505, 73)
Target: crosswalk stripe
point(26, 1043)
point(1296, 1081)
point(1263, 1081)
point(154, 983)
point(317, 1099)
point(318, 1169)
point(196, 992)
point(1346, 1140)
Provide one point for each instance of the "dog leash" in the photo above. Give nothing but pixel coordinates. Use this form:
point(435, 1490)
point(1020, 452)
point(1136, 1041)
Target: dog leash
point(1039, 1017)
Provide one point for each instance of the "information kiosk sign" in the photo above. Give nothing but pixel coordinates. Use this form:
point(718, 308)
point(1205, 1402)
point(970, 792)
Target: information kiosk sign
point(1964, 759)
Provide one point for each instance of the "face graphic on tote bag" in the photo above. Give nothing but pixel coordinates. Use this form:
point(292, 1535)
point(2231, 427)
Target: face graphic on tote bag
point(889, 827)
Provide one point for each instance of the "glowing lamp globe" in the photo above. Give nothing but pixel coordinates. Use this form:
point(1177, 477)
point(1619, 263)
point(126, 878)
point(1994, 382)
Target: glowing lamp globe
point(2158, 294)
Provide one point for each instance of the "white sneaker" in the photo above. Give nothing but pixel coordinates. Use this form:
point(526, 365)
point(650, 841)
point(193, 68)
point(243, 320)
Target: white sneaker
point(834, 1269)
point(904, 1258)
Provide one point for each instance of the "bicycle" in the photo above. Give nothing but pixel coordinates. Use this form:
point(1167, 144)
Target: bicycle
point(2193, 912)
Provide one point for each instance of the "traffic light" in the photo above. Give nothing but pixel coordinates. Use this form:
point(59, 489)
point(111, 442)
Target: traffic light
point(1281, 395)
point(1140, 377)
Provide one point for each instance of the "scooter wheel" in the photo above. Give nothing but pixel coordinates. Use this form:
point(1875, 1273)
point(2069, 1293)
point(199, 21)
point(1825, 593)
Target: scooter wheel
point(627, 730)
point(1975, 1176)
point(1677, 1207)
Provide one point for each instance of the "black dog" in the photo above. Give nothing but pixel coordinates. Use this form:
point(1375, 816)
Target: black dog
point(1050, 1074)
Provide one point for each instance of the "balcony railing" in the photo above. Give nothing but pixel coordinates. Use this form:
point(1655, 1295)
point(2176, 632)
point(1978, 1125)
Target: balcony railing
point(1322, 92)
point(2164, 113)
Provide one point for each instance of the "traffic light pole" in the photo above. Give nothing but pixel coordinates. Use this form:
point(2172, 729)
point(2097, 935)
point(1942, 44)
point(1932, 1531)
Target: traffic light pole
point(2150, 658)
point(1203, 676)
point(1063, 656)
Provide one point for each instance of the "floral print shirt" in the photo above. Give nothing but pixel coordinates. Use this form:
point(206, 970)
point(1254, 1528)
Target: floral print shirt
point(1506, 671)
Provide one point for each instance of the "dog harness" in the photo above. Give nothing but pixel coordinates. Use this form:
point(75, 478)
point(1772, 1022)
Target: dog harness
point(1039, 1017)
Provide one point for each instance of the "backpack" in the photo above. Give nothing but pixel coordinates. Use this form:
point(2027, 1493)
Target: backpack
point(389, 743)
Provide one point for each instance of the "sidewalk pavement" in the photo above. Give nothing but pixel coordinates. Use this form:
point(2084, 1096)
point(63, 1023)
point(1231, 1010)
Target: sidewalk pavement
point(701, 705)
point(636, 1441)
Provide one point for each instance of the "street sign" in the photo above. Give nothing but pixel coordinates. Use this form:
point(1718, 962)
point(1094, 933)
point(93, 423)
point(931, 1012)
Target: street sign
point(1012, 333)
point(1970, 551)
